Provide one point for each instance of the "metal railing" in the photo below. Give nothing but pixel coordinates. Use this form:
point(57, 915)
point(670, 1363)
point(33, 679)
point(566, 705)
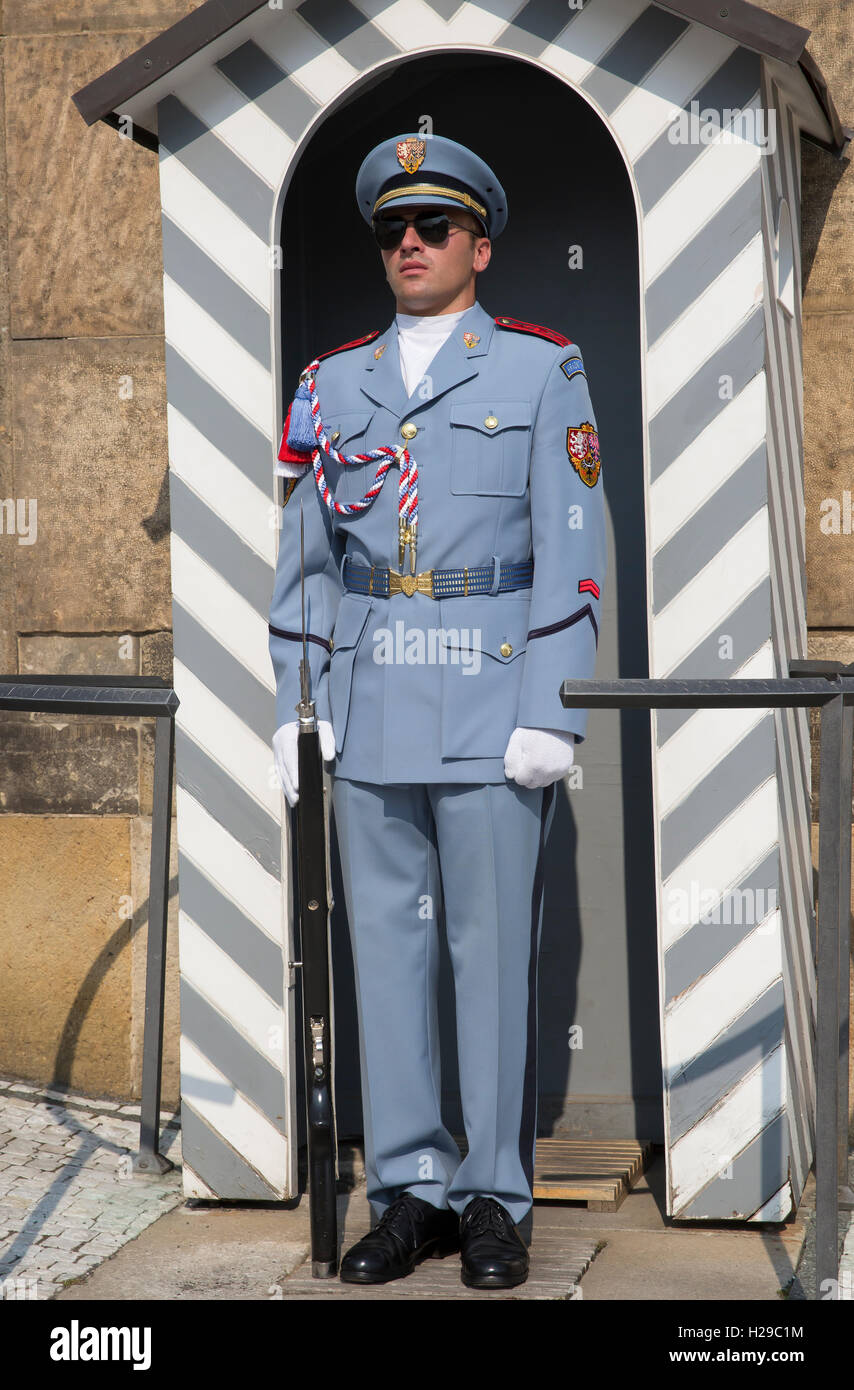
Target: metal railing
point(128, 696)
point(830, 686)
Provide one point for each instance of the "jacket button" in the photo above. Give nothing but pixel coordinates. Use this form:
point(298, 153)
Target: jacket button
point(490, 422)
point(408, 430)
point(331, 644)
point(505, 649)
point(335, 436)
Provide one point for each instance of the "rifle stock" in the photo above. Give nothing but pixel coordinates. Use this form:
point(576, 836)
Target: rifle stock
point(314, 905)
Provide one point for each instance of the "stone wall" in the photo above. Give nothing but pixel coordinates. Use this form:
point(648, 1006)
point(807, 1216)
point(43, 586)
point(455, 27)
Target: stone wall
point(84, 548)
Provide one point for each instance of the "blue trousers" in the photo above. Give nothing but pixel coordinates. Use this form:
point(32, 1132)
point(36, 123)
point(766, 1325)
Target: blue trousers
point(473, 853)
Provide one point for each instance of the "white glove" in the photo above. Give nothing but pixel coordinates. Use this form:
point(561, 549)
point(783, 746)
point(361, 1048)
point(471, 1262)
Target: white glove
point(285, 752)
point(536, 757)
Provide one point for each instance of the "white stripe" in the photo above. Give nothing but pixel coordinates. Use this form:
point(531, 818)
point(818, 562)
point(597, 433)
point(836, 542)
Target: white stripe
point(703, 740)
point(233, 372)
point(709, 321)
point(413, 24)
point(219, 608)
point(648, 109)
point(240, 124)
point(193, 1185)
point(575, 51)
point(709, 181)
point(215, 229)
point(301, 53)
point(722, 995)
point(708, 461)
point(228, 492)
point(711, 596)
point(230, 1115)
point(249, 1009)
point(707, 1148)
point(777, 1208)
point(229, 866)
point(722, 860)
point(223, 736)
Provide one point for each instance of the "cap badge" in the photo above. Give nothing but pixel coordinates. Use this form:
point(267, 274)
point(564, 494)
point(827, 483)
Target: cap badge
point(378, 351)
point(411, 152)
point(471, 339)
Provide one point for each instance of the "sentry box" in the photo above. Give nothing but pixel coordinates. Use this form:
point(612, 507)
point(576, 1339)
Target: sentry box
point(651, 155)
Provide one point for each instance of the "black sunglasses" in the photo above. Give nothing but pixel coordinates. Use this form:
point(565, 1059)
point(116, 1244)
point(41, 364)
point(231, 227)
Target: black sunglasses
point(432, 228)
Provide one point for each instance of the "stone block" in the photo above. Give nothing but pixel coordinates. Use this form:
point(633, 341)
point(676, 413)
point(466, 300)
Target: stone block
point(829, 469)
point(65, 963)
point(84, 229)
point(78, 764)
point(96, 463)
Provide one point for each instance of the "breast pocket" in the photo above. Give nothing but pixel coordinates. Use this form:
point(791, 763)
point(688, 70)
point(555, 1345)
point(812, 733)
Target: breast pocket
point(348, 432)
point(490, 447)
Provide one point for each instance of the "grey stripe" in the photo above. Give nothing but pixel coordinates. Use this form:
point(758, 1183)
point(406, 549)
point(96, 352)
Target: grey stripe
point(732, 779)
point(215, 165)
point(235, 933)
point(698, 402)
point(709, 529)
point(704, 945)
point(726, 1061)
point(535, 26)
point(635, 52)
point(789, 458)
point(214, 291)
point(264, 82)
point(248, 1070)
point(704, 257)
point(224, 799)
point(733, 84)
point(783, 639)
point(747, 626)
point(793, 565)
point(222, 673)
point(248, 573)
point(218, 1165)
point(213, 415)
point(347, 30)
point(762, 1167)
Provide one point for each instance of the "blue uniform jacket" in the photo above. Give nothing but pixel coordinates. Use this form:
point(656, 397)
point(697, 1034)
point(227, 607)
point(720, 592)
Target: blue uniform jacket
point(429, 690)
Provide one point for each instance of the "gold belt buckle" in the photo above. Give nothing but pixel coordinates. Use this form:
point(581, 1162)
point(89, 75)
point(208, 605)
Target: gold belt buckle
point(409, 583)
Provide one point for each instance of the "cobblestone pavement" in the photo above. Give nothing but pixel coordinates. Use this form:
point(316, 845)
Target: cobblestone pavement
point(68, 1196)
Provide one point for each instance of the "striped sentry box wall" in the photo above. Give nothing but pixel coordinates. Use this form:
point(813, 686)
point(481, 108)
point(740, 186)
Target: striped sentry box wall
point(722, 403)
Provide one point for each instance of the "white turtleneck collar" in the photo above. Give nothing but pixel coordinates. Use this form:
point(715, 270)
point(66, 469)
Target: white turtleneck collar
point(419, 339)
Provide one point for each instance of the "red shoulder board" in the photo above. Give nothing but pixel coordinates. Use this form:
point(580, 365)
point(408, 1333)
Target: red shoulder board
point(357, 342)
point(536, 328)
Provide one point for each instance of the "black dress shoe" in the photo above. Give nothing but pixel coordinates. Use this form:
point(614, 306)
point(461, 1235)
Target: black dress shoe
point(408, 1231)
point(493, 1252)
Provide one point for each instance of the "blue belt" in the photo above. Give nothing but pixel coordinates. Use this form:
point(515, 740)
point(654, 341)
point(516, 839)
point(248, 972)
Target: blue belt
point(480, 579)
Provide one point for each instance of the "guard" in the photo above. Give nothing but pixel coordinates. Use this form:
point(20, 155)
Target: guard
point(449, 470)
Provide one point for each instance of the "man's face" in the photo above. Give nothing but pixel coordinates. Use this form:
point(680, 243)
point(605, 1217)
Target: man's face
point(428, 279)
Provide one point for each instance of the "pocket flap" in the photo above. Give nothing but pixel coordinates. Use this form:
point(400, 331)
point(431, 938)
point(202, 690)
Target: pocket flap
point(486, 626)
point(349, 425)
point(353, 610)
point(508, 415)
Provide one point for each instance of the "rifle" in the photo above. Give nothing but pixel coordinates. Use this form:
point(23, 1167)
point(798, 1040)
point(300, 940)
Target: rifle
point(315, 902)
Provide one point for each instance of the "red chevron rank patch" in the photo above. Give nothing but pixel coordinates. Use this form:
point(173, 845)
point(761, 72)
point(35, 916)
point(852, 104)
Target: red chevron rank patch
point(582, 446)
point(588, 586)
